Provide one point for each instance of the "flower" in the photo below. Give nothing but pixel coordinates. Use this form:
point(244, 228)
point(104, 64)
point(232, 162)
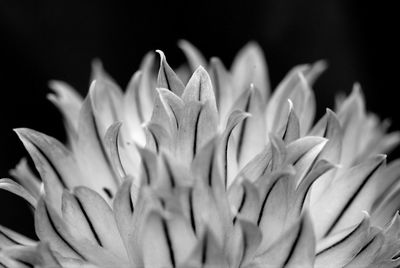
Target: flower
point(204, 167)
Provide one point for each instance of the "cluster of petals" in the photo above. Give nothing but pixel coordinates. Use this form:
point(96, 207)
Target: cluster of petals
point(204, 166)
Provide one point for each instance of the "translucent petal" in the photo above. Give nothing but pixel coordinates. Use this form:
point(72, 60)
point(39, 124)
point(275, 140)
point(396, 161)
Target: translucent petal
point(166, 241)
point(249, 67)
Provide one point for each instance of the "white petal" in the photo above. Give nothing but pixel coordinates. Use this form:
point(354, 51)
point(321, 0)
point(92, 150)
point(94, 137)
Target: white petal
point(249, 67)
point(166, 242)
point(199, 88)
point(341, 205)
point(100, 215)
point(223, 88)
point(25, 176)
point(250, 134)
point(17, 189)
point(208, 253)
point(295, 248)
point(342, 249)
point(69, 102)
point(111, 142)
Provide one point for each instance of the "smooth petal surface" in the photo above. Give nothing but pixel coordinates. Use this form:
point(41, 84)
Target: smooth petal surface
point(167, 78)
point(296, 248)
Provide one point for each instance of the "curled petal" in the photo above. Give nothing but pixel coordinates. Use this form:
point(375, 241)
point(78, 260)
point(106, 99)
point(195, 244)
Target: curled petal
point(167, 78)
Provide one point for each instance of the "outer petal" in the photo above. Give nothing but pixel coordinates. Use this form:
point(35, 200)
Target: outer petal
point(339, 250)
point(197, 127)
point(91, 154)
point(54, 162)
point(347, 193)
point(17, 189)
point(208, 253)
point(199, 88)
point(249, 67)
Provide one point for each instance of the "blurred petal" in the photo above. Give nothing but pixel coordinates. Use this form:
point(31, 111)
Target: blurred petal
point(348, 193)
point(69, 102)
point(25, 176)
point(249, 67)
point(17, 189)
point(193, 55)
point(166, 241)
point(11, 238)
point(207, 253)
point(296, 248)
point(249, 134)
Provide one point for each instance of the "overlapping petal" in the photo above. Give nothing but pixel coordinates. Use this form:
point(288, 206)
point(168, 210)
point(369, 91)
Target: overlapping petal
point(205, 166)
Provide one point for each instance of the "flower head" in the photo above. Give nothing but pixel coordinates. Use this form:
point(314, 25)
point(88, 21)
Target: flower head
point(206, 167)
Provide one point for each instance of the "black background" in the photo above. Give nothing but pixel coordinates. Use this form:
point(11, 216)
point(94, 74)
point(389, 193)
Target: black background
point(43, 40)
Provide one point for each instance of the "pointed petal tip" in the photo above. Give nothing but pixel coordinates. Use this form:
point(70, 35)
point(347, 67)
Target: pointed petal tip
point(290, 104)
point(200, 69)
point(330, 112)
point(215, 60)
point(380, 158)
point(183, 43)
point(97, 63)
point(92, 85)
point(252, 44)
point(161, 90)
point(320, 66)
point(366, 215)
point(161, 53)
point(22, 131)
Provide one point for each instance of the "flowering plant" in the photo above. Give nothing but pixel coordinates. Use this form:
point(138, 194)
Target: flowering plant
point(206, 167)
